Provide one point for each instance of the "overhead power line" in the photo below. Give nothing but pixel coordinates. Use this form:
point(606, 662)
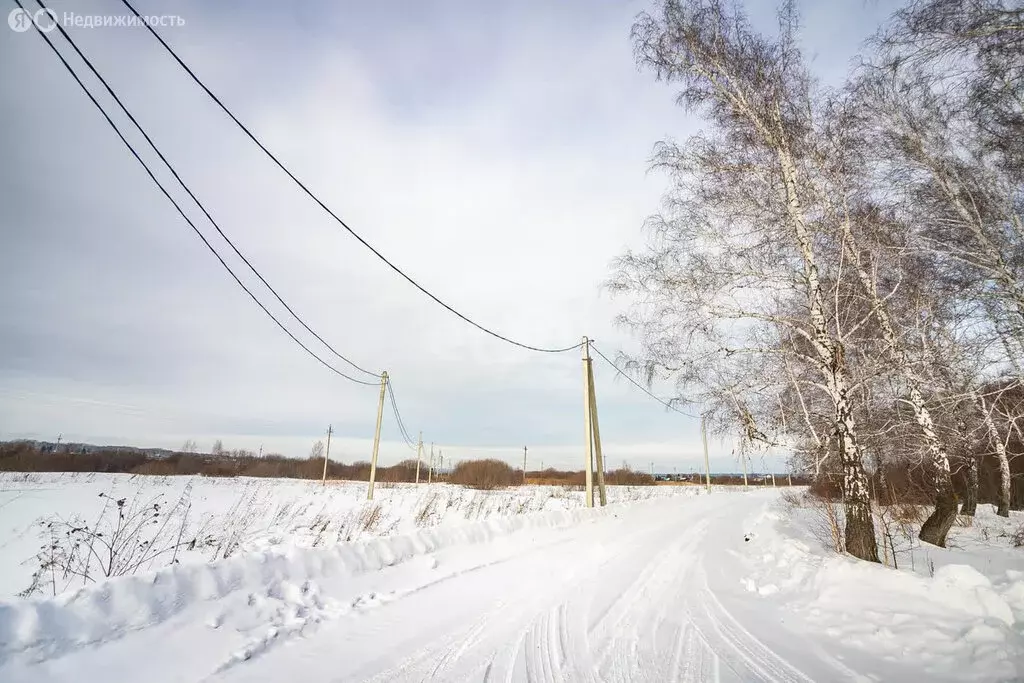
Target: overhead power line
point(174, 203)
point(192, 195)
point(398, 419)
point(324, 206)
point(637, 384)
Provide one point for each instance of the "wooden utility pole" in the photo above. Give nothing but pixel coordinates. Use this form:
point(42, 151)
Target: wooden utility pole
point(596, 431)
point(376, 434)
point(707, 464)
point(524, 465)
point(330, 428)
point(430, 465)
point(587, 416)
point(419, 456)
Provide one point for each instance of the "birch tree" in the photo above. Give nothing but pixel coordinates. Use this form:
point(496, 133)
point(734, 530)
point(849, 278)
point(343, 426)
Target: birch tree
point(735, 266)
point(946, 100)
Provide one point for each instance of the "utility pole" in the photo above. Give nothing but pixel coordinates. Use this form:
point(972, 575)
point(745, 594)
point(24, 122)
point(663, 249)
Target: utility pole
point(376, 433)
point(592, 429)
point(524, 465)
point(704, 438)
point(652, 469)
point(430, 465)
point(419, 456)
point(330, 428)
point(596, 430)
point(261, 450)
point(587, 415)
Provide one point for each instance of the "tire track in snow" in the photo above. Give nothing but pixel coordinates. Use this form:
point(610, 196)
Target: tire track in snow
point(515, 610)
point(744, 654)
point(619, 600)
point(646, 603)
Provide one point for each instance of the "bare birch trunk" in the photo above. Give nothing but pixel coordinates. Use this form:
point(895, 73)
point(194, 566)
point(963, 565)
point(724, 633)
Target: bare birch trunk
point(938, 524)
point(971, 496)
point(1003, 499)
point(860, 528)
point(1003, 505)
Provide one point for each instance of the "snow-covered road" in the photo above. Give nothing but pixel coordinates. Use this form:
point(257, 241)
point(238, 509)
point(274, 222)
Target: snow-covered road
point(644, 592)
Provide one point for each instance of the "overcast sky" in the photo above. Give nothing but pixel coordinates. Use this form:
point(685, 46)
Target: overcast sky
point(498, 155)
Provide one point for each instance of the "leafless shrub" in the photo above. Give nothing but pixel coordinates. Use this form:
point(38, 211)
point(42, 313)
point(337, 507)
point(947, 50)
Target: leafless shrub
point(795, 499)
point(370, 518)
point(486, 474)
point(238, 523)
point(1017, 537)
point(425, 514)
point(826, 518)
point(627, 477)
point(319, 527)
point(128, 535)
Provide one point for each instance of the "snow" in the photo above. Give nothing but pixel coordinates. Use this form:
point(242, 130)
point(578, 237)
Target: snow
point(260, 513)
point(728, 587)
point(947, 614)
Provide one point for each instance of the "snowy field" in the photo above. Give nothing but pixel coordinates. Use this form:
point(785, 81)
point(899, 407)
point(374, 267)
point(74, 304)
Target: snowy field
point(662, 585)
point(229, 516)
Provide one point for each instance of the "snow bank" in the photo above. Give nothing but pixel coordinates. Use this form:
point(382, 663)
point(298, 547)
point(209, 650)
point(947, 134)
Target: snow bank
point(956, 615)
point(258, 514)
point(44, 628)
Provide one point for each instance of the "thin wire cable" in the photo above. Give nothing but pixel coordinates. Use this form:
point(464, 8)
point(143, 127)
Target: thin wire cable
point(327, 209)
point(398, 419)
point(398, 416)
point(637, 384)
point(195, 199)
point(180, 211)
point(401, 422)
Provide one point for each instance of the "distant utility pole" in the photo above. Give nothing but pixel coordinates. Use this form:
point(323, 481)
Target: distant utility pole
point(330, 428)
point(376, 434)
point(419, 456)
point(261, 450)
point(704, 438)
point(592, 429)
point(524, 465)
point(652, 469)
point(430, 465)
